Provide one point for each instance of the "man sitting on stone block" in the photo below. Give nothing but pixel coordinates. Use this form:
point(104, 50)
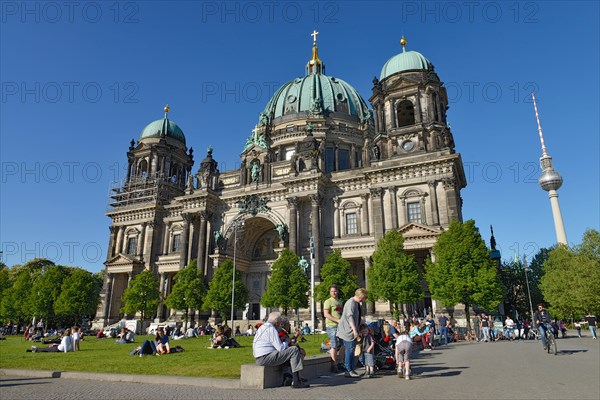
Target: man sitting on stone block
point(269, 350)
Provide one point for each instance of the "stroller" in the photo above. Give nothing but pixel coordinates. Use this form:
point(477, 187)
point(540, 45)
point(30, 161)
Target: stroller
point(384, 355)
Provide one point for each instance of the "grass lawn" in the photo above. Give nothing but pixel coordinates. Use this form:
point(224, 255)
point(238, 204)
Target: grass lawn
point(104, 355)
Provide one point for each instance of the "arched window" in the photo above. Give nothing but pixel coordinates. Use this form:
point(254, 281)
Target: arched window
point(405, 113)
point(143, 168)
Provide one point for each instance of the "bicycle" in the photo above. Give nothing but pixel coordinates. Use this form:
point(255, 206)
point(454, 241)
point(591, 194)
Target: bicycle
point(550, 340)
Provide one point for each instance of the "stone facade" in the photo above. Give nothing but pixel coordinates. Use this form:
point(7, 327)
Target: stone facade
point(338, 176)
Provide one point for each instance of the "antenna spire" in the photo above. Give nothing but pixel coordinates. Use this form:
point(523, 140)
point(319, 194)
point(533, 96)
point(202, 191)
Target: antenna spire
point(537, 117)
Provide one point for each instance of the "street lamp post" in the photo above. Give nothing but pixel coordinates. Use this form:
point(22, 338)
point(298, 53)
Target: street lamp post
point(236, 226)
point(528, 291)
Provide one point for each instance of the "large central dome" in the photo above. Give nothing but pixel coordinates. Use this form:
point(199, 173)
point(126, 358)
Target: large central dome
point(316, 93)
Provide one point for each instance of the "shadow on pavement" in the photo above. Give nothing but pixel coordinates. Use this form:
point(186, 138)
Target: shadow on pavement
point(21, 382)
point(569, 352)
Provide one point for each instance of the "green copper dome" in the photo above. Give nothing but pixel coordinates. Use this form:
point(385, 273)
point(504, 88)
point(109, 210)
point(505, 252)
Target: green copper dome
point(405, 61)
point(316, 93)
point(163, 128)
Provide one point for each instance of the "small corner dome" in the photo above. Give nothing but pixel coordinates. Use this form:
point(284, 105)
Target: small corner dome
point(405, 61)
point(163, 128)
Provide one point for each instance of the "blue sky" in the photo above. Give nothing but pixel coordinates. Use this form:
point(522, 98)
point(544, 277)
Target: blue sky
point(79, 80)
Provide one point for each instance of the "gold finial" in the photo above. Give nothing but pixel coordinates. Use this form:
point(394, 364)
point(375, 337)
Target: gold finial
point(315, 65)
point(167, 109)
point(403, 43)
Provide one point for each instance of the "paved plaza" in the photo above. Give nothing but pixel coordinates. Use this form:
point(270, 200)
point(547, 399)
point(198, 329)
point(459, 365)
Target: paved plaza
point(502, 370)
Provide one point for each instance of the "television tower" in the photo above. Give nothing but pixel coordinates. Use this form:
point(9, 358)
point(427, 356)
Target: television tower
point(550, 181)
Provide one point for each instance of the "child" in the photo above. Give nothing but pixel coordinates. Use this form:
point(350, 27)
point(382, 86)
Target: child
point(578, 327)
point(368, 347)
point(403, 349)
point(76, 338)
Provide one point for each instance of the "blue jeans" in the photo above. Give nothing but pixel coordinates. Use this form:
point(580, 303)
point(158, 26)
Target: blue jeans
point(542, 330)
point(593, 330)
point(486, 333)
point(349, 355)
point(444, 333)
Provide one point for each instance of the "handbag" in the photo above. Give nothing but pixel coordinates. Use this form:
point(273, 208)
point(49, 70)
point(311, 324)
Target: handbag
point(357, 350)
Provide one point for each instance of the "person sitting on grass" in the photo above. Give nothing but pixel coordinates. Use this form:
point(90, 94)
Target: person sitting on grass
point(218, 339)
point(66, 345)
point(162, 342)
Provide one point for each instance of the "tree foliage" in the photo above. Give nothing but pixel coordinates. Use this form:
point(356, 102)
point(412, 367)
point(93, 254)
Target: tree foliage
point(188, 290)
point(79, 296)
point(218, 297)
point(336, 271)
point(394, 276)
point(571, 281)
point(288, 285)
point(14, 303)
point(142, 295)
point(45, 290)
point(463, 271)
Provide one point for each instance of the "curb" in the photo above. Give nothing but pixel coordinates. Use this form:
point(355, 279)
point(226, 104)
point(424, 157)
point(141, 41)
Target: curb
point(157, 379)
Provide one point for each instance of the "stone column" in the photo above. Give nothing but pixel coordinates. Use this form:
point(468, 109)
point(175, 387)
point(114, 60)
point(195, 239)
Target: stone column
point(110, 252)
point(387, 207)
point(364, 216)
point(201, 256)
point(353, 156)
point(192, 241)
point(107, 297)
point(185, 242)
point(337, 156)
point(451, 200)
point(293, 208)
point(315, 213)
point(140, 244)
point(435, 217)
point(417, 105)
point(120, 233)
point(163, 295)
point(377, 215)
point(423, 211)
point(166, 234)
point(370, 303)
point(148, 243)
point(394, 112)
point(394, 206)
point(404, 212)
point(336, 217)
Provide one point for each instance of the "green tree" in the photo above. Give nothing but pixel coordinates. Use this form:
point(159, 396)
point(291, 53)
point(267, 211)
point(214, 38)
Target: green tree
point(535, 272)
point(14, 303)
point(571, 281)
point(394, 276)
point(336, 271)
point(463, 271)
point(188, 290)
point(46, 289)
point(288, 286)
point(218, 297)
point(79, 296)
point(142, 295)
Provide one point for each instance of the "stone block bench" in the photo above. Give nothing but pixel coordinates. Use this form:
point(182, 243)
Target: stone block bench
point(258, 377)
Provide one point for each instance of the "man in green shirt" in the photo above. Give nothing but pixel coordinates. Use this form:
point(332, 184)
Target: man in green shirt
point(332, 310)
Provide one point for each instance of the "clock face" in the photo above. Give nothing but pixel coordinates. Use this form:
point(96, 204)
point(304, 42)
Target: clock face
point(408, 145)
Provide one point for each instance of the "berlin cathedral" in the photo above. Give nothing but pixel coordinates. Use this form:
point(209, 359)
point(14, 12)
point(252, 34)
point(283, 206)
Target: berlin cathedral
point(320, 168)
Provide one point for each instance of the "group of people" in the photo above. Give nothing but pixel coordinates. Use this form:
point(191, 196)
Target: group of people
point(69, 341)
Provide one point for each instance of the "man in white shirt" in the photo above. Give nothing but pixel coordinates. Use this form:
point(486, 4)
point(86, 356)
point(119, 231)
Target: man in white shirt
point(269, 350)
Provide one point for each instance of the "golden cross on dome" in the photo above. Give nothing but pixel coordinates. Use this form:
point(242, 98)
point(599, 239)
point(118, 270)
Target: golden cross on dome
point(314, 35)
point(167, 109)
